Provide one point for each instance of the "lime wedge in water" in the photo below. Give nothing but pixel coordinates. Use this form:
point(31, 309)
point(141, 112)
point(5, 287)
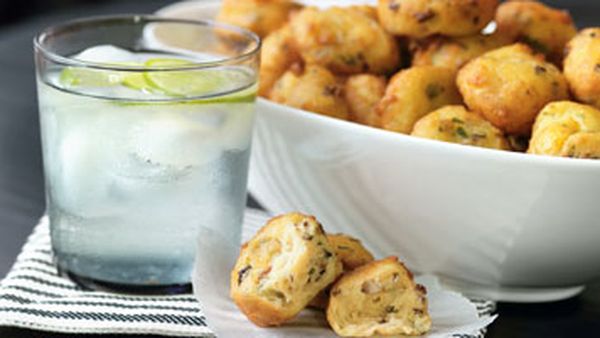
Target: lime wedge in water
point(202, 82)
point(72, 77)
point(137, 81)
point(184, 83)
point(90, 77)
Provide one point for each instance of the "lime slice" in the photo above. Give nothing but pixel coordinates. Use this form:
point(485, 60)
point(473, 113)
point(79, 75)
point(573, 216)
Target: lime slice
point(185, 83)
point(137, 81)
point(72, 77)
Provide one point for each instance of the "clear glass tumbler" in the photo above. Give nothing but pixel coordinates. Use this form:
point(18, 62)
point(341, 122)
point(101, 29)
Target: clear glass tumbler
point(146, 128)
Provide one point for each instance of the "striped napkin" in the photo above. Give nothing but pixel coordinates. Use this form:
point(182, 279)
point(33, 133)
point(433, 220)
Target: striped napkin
point(34, 296)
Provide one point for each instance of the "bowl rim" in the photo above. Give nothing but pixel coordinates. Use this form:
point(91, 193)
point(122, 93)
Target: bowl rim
point(464, 150)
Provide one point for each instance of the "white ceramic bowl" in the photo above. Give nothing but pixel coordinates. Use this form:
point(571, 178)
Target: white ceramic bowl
point(508, 226)
point(495, 224)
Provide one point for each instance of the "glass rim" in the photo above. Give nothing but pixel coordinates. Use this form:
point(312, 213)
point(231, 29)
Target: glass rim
point(38, 42)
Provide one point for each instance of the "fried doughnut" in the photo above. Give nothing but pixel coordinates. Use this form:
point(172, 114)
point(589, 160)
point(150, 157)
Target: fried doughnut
point(277, 55)
point(370, 11)
point(260, 16)
point(351, 253)
point(457, 125)
point(413, 93)
point(582, 66)
point(421, 18)
point(567, 129)
point(345, 40)
point(545, 29)
point(314, 89)
point(509, 86)
point(380, 298)
point(282, 268)
point(454, 52)
point(362, 93)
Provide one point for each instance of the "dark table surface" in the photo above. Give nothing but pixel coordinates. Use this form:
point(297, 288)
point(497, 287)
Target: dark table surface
point(21, 180)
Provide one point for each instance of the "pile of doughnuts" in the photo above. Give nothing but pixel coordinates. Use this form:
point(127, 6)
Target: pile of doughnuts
point(436, 69)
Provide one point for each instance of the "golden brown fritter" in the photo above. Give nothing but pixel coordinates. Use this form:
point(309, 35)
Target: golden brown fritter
point(543, 28)
point(457, 125)
point(567, 129)
point(454, 52)
point(345, 40)
point(583, 145)
point(282, 268)
point(379, 298)
point(260, 16)
point(509, 86)
point(351, 253)
point(582, 66)
point(277, 55)
point(370, 11)
point(421, 18)
point(413, 93)
point(362, 93)
point(314, 89)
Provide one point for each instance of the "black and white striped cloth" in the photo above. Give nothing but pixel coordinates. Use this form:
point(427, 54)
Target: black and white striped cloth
point(34, 296)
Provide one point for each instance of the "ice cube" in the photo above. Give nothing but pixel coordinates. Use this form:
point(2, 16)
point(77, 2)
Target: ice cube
point(107, 54)
point(89, 142)
point(168, 139)
point(81, 183)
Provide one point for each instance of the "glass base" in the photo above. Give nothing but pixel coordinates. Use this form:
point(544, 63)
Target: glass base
point(97, 285)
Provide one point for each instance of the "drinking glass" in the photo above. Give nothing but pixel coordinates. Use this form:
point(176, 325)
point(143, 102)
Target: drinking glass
point(146, 127)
